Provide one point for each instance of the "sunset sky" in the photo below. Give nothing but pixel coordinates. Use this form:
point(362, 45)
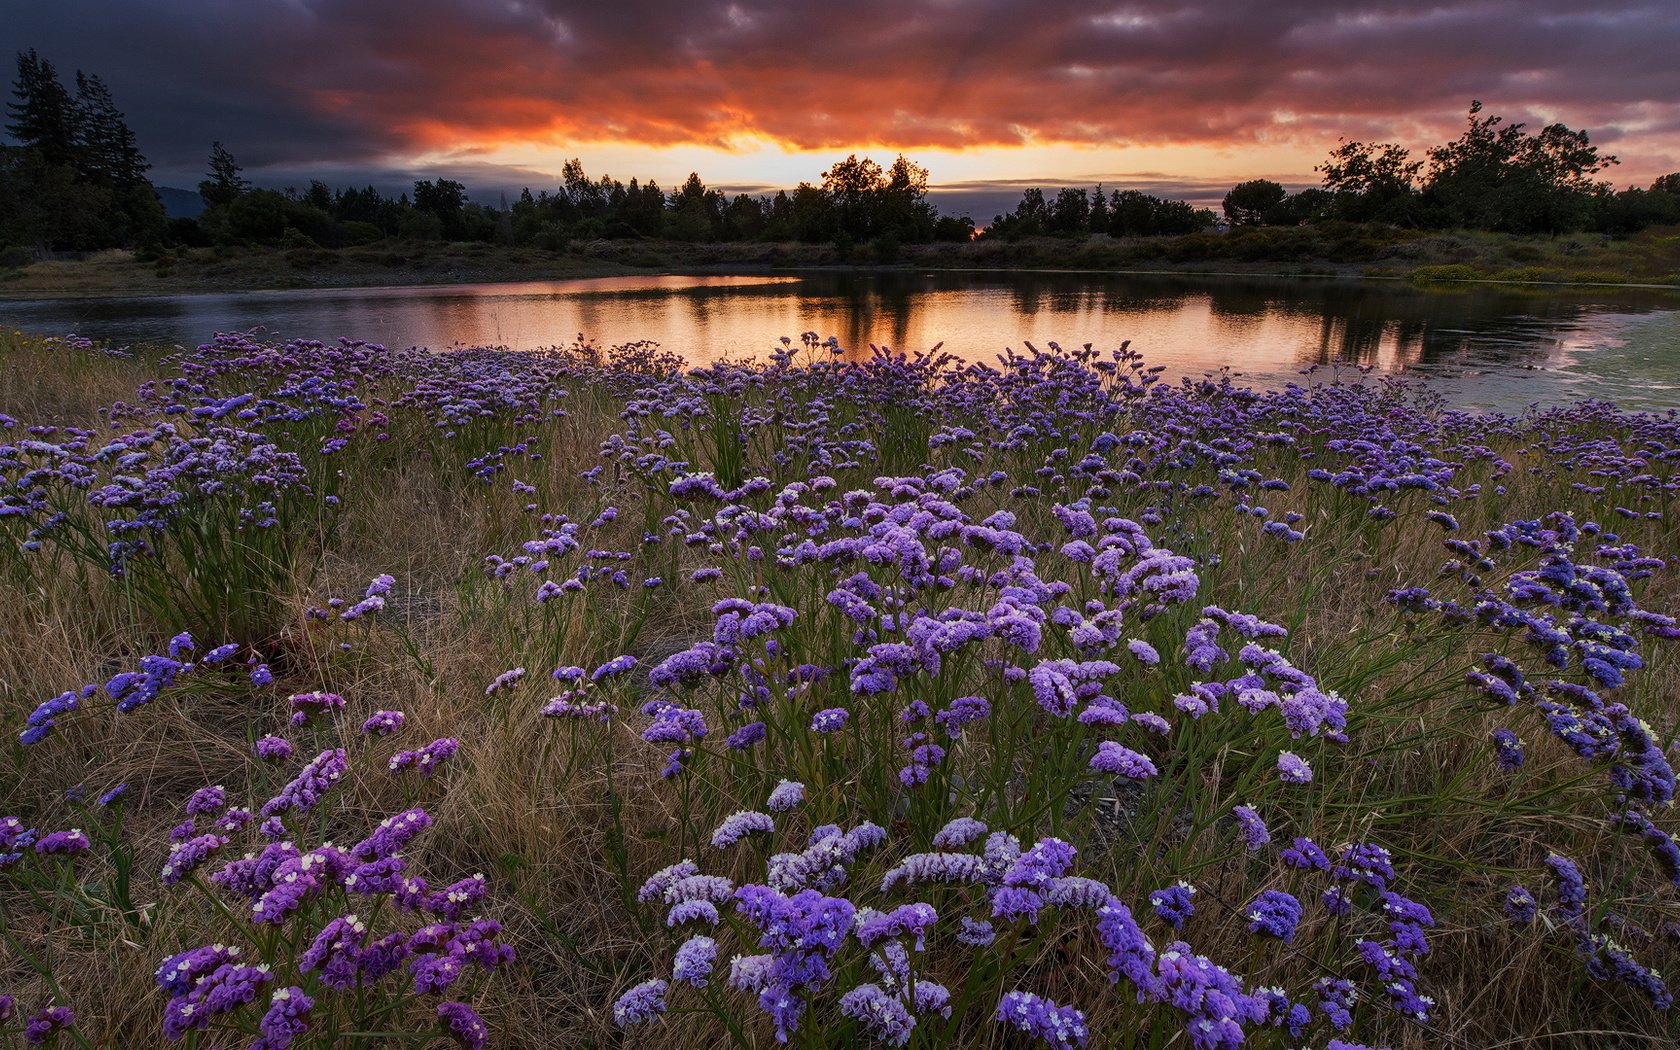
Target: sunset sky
point(1175, 98)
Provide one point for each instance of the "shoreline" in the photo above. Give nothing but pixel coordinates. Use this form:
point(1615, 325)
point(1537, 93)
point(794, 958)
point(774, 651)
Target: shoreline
point(120, 275)
point(395, 281)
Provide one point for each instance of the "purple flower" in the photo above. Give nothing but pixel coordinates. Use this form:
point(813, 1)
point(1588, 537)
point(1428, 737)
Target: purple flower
point(612, 668)
point(464, 1025)
point(1201, 647)
point(1609, 961)
point(1304, 855)
point(829, 719)
point(44, 719)
point(378, 876)
point(392, 835)
point(1174, 903)
point(383, 723)
point(1254, 833)
point(802, 932)
point(286, 1019)
point(1122, 761)
point(1212, 998)
point(1336, 997)
point(221, 653)
point(272, 749)
point(455, 899)
point(883, 1016)
point(739, 825)
point(207, 800)
point(786, 795)
point(312, 782)
point(693, 911)
point(1292, 769)
point(1274, 914)
point(642, 1003)
point(1364, 862)
point(1040, 1018)
point(958, 833)
point(1520, 905)
point(46, 1025)
point(908, 920)
point(934, 867)
point(1151, 722)
point(674, 725)
point(975, 933)
point(1571, 887)
point(713, 888)
point(179, 973)
point(306, 706)
point(63, 843)
point(1507, 750)
point(1057, 684)
point(663, 879)
point(186, 857)
point(1130, 955)
point(694, 961)
point(962, 711)
point(427, 759)
point(226, 988)
point(746, 736)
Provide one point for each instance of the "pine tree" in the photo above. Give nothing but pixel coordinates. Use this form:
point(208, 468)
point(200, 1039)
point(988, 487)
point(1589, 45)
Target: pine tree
point(44, 116)
point(1099, 210)
point(108, 150)
point(226, 181)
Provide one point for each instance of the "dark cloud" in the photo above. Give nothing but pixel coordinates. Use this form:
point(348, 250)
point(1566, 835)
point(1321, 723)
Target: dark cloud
point(982, 199)
point(359, 84)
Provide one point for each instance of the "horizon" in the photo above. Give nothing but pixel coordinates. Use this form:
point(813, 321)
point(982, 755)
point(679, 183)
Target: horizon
point(498, 96)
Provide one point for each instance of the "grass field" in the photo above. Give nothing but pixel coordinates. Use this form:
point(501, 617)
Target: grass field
point(1431, 259)
point(577, 699)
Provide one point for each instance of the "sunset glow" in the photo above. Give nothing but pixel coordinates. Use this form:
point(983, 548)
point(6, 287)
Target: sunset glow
point(767, 94)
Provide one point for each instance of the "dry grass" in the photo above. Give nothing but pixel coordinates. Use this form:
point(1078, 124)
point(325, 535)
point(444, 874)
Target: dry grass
point(48, 382)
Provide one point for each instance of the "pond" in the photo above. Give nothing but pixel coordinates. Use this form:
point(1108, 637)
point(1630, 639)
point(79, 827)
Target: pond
point(1490, 346)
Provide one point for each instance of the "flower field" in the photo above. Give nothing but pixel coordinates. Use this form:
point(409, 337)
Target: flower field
point(369, 697)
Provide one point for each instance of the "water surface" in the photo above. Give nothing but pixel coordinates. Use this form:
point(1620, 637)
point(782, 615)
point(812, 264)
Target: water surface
point(1489, 346)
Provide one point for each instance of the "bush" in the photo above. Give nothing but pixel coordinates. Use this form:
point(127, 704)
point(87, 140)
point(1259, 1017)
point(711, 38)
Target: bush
point(1447, 272)
point(362, 233)
point(296, 238)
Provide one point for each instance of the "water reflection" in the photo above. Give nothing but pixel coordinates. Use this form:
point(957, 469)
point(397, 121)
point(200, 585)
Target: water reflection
point(1499, 345)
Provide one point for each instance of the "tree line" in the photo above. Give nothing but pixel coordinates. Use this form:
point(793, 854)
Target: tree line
point(74, 179)
point(1122, 213)
point(1496, 176)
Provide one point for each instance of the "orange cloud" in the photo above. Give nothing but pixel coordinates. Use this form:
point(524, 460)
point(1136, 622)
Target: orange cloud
point(364, 80)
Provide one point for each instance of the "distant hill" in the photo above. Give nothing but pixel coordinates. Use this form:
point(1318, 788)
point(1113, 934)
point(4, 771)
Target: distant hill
point(179, 203)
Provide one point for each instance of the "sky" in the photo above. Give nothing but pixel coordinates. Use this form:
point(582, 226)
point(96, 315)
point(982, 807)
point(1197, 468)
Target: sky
point(1181, 99)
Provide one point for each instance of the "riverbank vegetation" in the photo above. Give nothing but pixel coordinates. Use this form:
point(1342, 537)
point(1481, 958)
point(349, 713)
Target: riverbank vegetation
point(577, 698)
point(1439, 261)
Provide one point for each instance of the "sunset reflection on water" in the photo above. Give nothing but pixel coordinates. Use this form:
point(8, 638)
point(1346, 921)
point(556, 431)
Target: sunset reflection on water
point(1495, 345)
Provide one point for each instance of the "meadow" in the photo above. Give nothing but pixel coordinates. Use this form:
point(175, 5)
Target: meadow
point(373, 697)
